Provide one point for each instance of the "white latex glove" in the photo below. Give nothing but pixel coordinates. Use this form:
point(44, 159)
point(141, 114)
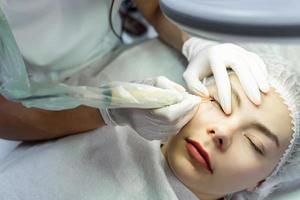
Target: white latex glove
point(156, 123)
point(207, 57)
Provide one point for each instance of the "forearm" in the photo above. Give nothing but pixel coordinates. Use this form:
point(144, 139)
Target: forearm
point(20, 123)
point(167, 31)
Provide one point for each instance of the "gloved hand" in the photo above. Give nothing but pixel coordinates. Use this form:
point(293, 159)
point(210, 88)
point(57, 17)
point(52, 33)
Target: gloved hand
point(156, 123)
point(207, 57)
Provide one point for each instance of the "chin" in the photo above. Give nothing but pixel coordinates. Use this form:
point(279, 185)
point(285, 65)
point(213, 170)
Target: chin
point(181, 166)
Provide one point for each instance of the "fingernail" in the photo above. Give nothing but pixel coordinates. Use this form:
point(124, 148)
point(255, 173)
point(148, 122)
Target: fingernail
point(180, 88)
point(227, 110)
point(226, 107)
point(256, 99)
point(266, 88)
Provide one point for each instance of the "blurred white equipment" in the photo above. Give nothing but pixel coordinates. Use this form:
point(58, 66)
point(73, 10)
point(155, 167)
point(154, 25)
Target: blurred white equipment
point(236, 20)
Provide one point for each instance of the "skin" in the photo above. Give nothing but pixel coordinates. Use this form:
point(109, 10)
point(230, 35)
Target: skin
point(235, 162)
point(20, 123)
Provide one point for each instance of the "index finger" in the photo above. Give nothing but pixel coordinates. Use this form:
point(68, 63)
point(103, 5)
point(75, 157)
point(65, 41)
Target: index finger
point(223, 86)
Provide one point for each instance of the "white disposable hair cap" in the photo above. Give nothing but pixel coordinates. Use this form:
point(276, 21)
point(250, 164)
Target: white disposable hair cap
point(286, 174)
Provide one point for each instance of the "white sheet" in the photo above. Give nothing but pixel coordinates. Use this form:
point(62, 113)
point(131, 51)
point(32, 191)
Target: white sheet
point(148, 59)
point(108, 163)
point(145, 60)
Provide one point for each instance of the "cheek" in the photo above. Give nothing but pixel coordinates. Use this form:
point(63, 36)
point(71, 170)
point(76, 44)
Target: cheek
point(241, 166)
point(177, 159)
point(206, 114)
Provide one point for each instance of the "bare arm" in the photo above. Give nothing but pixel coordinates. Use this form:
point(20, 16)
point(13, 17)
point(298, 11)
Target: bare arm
point(167, 31)
point(20, 123)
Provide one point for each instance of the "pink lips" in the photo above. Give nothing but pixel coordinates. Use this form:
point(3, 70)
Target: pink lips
point(199, 154)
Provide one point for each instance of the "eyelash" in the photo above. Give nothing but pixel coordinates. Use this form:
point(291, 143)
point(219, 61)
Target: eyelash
point(258, 150)
point(255, 147)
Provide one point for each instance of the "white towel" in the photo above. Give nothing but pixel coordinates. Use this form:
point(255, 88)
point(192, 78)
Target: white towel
point(108, 163)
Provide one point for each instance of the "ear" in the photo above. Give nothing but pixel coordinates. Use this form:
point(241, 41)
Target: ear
point(252, 188)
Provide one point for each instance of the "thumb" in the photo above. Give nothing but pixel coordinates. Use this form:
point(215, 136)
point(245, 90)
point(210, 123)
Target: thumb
point(165, 83)
point(176, 111)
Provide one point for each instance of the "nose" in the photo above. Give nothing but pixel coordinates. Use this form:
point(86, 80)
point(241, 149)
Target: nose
point(221, 136)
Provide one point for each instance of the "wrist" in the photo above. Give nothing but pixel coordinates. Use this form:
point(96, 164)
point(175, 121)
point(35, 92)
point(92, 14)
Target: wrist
point(185, 37)
point(114, 117)
point(106, 117)
point(194, 45)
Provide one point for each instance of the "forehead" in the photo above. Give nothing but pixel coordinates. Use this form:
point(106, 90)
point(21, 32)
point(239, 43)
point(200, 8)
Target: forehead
point(275, 115)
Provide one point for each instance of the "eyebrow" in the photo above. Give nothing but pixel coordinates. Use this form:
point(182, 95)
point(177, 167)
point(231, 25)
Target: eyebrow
point(264, 130)
point(236, 97)
point(256, 125)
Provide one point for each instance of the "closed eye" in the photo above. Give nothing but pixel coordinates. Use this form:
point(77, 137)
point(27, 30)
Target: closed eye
point(255, 147)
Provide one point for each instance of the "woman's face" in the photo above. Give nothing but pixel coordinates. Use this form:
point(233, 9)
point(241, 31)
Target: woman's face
point(243, 148)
